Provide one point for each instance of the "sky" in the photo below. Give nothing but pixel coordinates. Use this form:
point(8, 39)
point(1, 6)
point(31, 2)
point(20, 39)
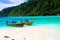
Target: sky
point(9, 3)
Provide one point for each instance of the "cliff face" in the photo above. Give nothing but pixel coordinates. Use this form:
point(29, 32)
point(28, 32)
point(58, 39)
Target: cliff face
point(35, 8)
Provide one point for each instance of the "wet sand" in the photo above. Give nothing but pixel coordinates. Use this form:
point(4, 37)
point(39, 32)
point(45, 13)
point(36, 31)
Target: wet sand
point(31, 33)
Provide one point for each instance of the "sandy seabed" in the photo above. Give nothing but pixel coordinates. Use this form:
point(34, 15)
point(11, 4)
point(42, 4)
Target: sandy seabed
point(31, 33)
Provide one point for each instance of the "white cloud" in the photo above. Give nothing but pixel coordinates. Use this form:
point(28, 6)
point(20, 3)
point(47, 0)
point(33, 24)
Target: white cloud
point(15, 2)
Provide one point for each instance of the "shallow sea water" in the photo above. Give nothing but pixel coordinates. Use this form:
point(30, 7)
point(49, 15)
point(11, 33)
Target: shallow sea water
point(38, 21)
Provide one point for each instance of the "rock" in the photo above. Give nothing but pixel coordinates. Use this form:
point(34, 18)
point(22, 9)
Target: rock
point(13, 39)
point(6, 36)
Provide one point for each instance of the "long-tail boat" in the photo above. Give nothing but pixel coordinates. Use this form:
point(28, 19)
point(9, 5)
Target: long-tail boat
point(29, 23)
point(17, 25)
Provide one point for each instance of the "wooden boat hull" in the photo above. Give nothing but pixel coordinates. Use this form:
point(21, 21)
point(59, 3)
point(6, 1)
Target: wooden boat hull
point(17, 25)
point(28, 23)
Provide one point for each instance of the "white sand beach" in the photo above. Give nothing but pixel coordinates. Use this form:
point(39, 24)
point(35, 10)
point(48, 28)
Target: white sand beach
point(31, 33)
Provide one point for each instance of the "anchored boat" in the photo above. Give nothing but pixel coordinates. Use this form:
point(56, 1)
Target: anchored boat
point(29, 23)
point(17, 25)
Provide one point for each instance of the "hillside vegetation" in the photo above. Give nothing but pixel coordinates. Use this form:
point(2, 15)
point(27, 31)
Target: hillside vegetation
point(35, 8)
point(6, 11)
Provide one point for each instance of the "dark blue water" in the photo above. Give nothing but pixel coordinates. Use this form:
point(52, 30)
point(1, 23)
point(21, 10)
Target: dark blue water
point(38, 20)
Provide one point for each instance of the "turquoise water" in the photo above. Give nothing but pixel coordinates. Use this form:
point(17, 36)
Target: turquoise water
point(38, 20)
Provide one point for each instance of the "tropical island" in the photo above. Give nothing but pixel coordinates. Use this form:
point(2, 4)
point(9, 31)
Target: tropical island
point(34, 8)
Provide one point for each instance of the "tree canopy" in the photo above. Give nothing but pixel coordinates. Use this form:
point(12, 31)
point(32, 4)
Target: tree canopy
point(35, 8)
